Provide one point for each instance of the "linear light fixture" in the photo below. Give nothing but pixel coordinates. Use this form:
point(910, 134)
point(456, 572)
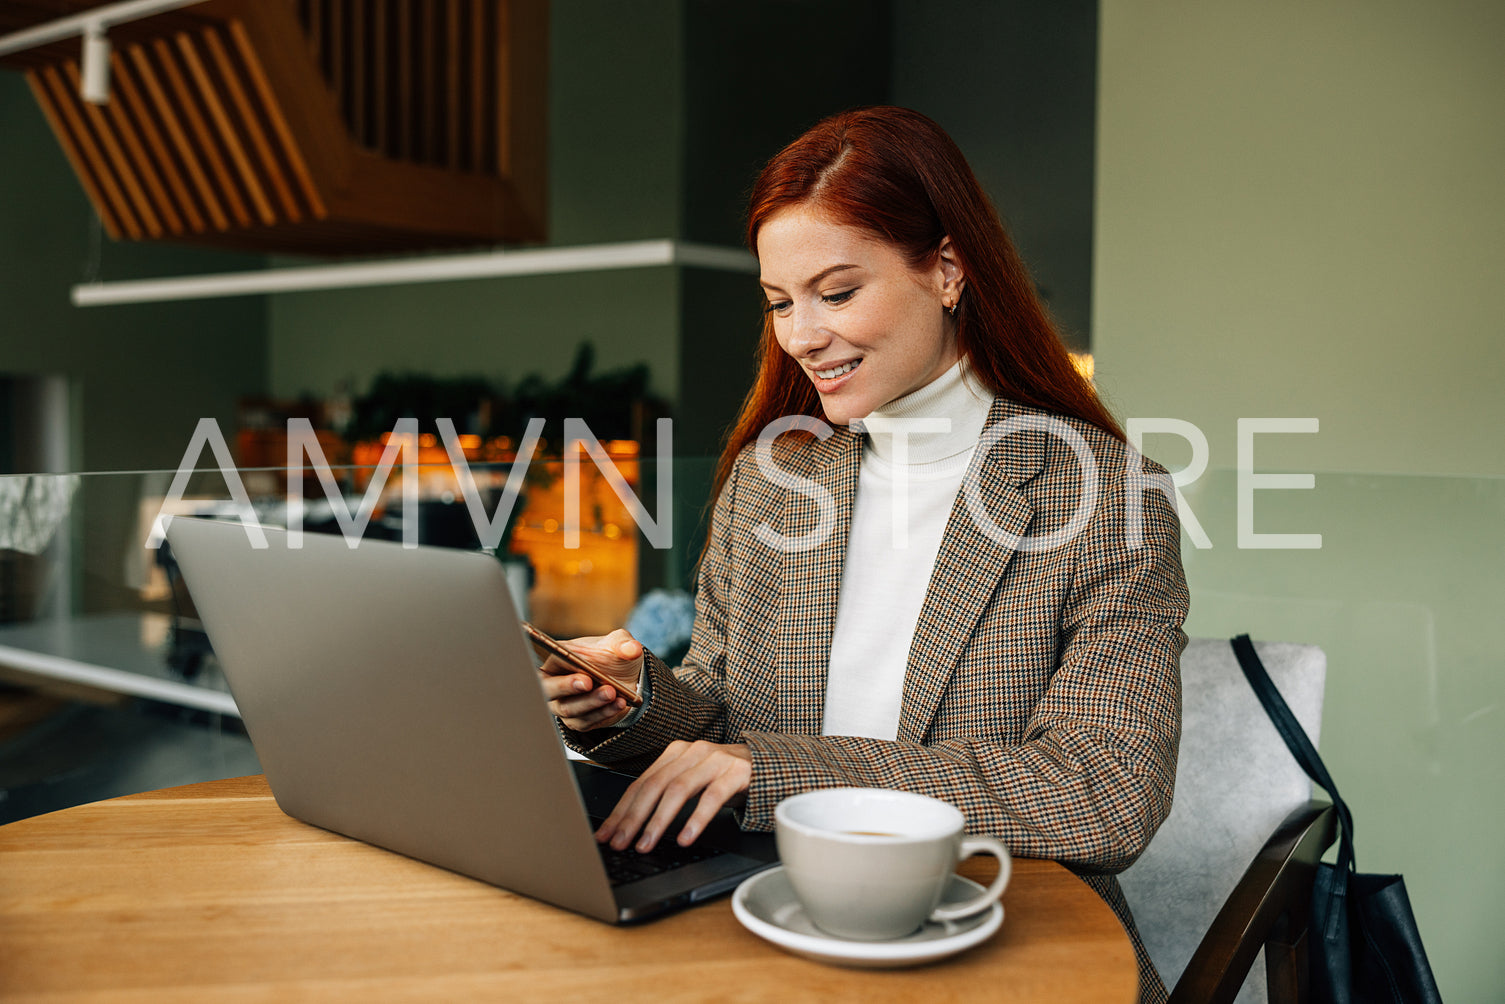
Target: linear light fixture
point(436, 268)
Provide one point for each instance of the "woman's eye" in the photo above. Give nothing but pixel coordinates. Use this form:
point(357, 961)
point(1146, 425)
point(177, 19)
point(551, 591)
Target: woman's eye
point(776, 307)
point(839, 297)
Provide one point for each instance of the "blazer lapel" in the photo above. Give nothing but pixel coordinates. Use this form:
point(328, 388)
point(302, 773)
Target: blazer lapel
point(968, 568)
point(812, 581)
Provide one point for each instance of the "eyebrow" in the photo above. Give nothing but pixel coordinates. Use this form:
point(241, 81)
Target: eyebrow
point(814, 279)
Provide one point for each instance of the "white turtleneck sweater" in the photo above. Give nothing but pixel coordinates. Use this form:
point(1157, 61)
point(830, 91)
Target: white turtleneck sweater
point(910, 475)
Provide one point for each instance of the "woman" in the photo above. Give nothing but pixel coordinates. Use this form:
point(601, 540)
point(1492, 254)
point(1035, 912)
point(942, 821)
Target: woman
point(933, 564)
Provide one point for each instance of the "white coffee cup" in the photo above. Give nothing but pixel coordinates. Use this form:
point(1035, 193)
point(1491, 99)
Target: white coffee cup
point(871, 864)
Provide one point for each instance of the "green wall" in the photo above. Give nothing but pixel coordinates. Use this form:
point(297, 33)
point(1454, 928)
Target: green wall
point(1014, 85)
point(756, 76)
point(615, 125)
point(487, 328)
point(142, 376)
point(1298, 213)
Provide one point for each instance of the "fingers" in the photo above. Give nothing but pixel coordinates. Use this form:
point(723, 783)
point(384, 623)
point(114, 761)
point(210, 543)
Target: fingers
point(600, 699)
point(627, 815)
point(715, 772)
point(555, 666)
point(721, 791)
point(576, 699)
point(626, 821)
point(618, 656)
point(593, 709)
point(675, 792)
point(622, 644)
point(557, 688)
point(612, 653)
point(572, 700)
point(598, 719)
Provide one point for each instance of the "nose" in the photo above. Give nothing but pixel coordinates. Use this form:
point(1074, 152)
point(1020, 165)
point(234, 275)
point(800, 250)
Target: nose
point(804, 335)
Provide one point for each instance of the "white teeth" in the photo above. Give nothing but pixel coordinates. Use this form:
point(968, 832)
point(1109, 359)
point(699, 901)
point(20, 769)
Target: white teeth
point(838, 371)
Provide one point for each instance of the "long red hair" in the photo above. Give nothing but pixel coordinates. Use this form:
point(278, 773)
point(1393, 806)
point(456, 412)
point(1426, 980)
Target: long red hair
point(896, 174)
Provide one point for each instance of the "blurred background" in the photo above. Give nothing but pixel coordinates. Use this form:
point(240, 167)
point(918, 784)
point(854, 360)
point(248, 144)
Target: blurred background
point(1272, 210)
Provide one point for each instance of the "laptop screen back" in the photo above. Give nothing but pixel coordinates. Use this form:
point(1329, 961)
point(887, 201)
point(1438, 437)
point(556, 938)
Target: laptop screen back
point(391, 697)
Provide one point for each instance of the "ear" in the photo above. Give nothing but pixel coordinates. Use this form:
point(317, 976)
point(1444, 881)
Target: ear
point(949, 272)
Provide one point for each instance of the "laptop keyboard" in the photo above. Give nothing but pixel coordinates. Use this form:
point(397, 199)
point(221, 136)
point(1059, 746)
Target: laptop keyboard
point(630, 866)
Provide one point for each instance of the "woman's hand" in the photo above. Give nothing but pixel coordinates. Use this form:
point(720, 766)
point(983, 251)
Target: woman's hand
point(719, 774)
point(575, 698)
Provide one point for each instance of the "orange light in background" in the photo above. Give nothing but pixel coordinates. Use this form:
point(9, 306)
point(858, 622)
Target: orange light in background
point(591, 589)
point(588, 590)
point(1084, 364)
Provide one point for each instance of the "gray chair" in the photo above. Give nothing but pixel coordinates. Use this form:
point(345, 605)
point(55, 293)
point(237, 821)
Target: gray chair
point(1228, 877)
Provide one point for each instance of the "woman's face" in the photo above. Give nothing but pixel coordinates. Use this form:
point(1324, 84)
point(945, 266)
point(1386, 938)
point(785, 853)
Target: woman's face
point(864, 327)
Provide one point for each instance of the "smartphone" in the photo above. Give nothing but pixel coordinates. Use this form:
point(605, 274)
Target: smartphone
point(550, 646)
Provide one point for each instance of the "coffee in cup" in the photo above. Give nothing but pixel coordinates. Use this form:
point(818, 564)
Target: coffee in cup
point(871, 864)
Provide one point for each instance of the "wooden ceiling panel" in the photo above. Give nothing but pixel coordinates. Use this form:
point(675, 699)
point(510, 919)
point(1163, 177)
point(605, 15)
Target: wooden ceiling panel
point(177, 204)
point(183, 150)
point(77, 147)
point(324, 126)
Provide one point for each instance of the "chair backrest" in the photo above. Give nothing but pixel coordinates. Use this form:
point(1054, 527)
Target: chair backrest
point(1235, 783)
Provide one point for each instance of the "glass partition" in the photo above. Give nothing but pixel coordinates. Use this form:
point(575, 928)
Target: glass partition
point(108, 683)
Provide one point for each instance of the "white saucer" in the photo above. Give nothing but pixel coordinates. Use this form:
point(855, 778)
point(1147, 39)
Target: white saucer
point(766, 906)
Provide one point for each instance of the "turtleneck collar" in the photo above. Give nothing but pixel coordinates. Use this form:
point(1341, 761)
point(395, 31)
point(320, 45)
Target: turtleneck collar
point(956, 395)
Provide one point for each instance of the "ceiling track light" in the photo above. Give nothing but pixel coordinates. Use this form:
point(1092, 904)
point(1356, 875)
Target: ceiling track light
point(92, 25)
point(94, 87)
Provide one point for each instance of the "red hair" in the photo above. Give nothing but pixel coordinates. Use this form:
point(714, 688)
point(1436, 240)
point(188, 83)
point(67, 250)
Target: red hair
point(896, 174)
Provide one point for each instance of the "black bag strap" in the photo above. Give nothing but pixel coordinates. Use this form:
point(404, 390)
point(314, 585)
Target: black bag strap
point(1297, 741)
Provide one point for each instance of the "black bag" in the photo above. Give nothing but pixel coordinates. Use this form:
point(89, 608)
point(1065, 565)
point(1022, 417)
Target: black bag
point(1363, 945)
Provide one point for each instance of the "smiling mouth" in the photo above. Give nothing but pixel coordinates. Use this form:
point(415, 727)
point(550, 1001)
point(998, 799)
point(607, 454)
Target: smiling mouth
point(833, 373)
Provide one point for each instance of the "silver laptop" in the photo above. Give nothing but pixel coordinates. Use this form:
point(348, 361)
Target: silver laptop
point(391, 697)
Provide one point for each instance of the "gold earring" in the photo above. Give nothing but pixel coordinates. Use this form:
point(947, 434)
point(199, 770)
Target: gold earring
point(952, 309)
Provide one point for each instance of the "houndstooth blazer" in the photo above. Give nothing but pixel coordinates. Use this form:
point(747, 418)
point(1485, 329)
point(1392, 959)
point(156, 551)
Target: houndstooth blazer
point(1043, 691)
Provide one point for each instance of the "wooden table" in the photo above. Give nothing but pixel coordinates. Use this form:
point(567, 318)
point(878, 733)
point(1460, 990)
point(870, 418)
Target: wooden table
point(210, 892)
